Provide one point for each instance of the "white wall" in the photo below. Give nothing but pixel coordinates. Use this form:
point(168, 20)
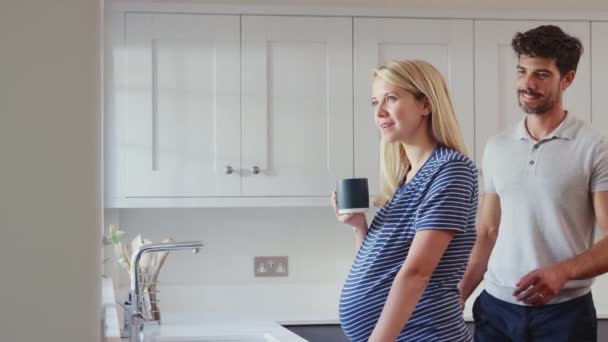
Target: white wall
point(220, 278)
point(50, 170)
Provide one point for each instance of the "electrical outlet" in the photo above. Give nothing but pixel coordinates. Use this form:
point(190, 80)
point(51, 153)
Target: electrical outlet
point(270, 266)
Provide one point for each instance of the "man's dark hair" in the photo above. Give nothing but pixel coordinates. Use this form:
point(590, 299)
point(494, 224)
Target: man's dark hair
point(549, 41)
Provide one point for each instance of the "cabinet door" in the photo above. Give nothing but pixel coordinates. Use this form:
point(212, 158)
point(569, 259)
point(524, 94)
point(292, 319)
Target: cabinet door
point(296, 104)
point(495, 70)
point(180, 105)
point(447, 44)
point(599, 78)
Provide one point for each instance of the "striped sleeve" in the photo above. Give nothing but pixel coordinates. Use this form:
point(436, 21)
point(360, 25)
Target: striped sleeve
point(447, 204)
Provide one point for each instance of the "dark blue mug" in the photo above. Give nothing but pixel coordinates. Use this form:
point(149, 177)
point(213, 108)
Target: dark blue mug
point(352, 195)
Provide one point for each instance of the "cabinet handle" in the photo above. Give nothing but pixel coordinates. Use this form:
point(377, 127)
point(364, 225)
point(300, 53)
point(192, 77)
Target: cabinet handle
point(255, 170)
point(228, 170)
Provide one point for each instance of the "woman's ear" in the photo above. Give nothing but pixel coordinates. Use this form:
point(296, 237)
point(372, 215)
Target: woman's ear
point(427, 109)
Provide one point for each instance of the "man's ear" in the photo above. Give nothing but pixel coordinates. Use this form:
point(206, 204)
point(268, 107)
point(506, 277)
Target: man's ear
point(567, 79)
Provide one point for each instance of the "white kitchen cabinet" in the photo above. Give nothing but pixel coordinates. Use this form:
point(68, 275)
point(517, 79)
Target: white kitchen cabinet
point(599, 78)
point(178, 106)
point(447, 44)
point(496, 105)
point(271, 110)
point(296, 104)
point(228, 106)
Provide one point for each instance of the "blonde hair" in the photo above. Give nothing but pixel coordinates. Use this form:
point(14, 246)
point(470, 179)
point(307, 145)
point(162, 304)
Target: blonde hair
point(424, 81)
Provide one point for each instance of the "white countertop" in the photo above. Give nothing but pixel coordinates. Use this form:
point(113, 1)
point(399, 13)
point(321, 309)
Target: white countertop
point(185, 326)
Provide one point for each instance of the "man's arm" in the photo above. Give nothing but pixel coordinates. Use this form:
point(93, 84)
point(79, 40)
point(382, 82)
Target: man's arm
point(539, 286)
point(487, 232)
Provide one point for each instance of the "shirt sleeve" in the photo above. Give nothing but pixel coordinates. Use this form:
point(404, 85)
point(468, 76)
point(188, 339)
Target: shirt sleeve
point(599, 171)
point(451, 201)
point(485, 173)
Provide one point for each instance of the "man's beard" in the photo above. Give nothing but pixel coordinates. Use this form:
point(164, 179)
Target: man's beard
point(540, 108)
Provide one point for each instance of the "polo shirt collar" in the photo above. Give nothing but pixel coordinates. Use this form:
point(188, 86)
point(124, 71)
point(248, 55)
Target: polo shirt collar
point(565, 130)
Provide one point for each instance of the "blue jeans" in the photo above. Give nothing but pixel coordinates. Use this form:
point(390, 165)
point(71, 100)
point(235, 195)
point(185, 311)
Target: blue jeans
point(570, 321)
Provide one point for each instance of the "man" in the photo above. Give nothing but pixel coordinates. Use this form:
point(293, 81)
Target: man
point(546, 182)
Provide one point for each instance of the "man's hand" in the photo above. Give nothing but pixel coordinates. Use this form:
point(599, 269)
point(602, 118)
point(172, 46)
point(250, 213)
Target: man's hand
point(539, 286)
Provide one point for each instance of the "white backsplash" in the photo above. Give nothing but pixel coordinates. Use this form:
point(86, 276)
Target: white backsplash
point(320, 252)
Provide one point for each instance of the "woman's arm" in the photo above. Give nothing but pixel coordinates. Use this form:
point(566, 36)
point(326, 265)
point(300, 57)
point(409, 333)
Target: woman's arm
point(427, 249)
point(487, 232)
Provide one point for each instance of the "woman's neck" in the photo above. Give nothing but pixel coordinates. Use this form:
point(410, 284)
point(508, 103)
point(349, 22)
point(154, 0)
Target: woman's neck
point(417, 154)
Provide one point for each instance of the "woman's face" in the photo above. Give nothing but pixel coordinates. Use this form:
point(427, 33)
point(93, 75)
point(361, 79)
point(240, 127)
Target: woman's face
point(397, 113)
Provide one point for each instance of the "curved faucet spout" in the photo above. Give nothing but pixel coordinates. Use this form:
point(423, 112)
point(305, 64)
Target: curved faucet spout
point(157, 247)
point(137, 320)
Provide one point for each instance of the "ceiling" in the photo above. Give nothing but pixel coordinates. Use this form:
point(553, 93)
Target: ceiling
point(534, 5)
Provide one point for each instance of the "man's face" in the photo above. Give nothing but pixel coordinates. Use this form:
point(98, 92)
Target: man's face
point(539, 84)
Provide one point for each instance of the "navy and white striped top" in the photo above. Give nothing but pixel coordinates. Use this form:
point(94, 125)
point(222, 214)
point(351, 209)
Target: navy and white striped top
point(442, 195)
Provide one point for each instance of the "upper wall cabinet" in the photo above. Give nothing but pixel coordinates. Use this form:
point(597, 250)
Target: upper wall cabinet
point(212, 106)
point(296, 104)
point(447, 44)
point(599, 78)
point(496, 102)
point(223, 110)
point(178, 95)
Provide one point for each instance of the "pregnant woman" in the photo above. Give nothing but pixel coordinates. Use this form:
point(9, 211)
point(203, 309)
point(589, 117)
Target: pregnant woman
point(403, 282)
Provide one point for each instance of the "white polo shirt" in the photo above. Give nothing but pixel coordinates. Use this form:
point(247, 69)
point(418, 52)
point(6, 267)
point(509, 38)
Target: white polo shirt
point(545, 198)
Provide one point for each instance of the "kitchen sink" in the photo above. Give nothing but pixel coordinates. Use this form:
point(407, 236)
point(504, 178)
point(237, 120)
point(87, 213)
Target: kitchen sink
point(219, 338)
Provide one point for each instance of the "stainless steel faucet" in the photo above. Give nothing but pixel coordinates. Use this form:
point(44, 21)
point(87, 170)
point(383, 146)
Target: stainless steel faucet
point(136, 320)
